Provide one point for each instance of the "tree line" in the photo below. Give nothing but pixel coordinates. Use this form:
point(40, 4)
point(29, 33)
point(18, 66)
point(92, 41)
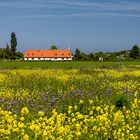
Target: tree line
point(133, 53)
point(10, 51)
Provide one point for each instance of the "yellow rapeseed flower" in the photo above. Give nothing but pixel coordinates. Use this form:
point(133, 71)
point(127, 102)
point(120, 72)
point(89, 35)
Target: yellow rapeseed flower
point(81, 102)
point(26, 137)
point(90, 101)
point(24, 111)
point(40, 113)
point(22, 118)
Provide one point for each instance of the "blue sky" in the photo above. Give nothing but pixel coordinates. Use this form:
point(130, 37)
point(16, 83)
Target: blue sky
point(90, 25)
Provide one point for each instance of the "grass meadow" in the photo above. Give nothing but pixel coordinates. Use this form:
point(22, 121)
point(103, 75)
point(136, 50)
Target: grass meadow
point(69, 100)
point(65, 64)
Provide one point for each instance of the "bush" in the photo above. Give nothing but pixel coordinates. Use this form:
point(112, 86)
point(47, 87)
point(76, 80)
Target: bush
point(122, 100)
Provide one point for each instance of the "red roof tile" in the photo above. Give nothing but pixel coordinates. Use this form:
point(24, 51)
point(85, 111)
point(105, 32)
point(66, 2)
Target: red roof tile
point(47, 53)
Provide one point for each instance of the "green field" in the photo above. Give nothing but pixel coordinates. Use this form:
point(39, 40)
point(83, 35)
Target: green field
point(65, 64)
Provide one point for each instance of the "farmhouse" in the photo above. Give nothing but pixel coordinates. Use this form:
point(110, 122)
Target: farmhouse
point(48, 55)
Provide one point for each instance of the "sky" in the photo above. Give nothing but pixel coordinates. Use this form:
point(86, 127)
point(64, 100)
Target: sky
point(90, 25)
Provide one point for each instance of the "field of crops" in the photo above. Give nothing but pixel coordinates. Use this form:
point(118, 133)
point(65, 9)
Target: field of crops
point(70, 104)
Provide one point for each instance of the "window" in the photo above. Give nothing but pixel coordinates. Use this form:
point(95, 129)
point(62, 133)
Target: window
point(62, 54)
point(28, 54)
point(33, 54)
point(56, 54)
point(69, 53)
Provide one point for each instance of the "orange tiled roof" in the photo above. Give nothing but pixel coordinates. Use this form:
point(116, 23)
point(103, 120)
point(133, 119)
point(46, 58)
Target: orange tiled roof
point(47, 53)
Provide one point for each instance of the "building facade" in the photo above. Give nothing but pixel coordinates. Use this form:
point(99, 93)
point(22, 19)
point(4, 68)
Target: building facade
point(52, 55)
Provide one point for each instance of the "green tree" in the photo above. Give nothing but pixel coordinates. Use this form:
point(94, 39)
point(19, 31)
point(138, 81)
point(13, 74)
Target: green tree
point(1, 52)
point(134, 52)
point(8, 53)
point(53, 47)
point(19, 55)
point(13, 43)
point(77, 54)
point(92, 57)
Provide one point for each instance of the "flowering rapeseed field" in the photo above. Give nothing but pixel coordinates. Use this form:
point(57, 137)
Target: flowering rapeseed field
point(96, 104)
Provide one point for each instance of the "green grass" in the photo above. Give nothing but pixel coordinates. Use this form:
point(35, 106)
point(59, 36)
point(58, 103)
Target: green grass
point(64, 65)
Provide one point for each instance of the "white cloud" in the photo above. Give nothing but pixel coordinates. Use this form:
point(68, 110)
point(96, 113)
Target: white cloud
point(73, 8)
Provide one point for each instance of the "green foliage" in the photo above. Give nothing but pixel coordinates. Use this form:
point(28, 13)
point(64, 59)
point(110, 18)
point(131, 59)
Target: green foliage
point(1, 53)
point(54, 47)
point(107, 56)
point(122, 100)
point(13, 43)
point(78, 54)
point(134, 53)
point(8, 53)
point(19, 55)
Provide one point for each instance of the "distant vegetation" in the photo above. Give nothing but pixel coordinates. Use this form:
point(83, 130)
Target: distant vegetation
point(132, 54)
point(9, 52)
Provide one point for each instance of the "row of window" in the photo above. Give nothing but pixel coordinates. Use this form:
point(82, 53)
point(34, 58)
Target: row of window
point(44, 59)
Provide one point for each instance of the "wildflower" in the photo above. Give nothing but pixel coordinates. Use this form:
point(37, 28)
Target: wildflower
point(21, 125)
point(22, 118)
point(91, 112)
point(136, 94)
point(118, 116)
point(73, 120)
point(78, 133)
point(70, 107)
point(90, 101)
point(24, 111)
point(81, 102)
point(40, 113)
point(26, 137)
point(75, 107)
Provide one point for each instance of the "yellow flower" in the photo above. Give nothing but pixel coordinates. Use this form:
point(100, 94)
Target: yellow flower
point(24, 111)
point(22, 118)
point(32, 127)
point(136, 94)
point(118, 116)
point(81, 102)
point(91, 112)
point(94, 127)
point(78, 133)
point(75, 107)
point(98, 108)
point(70, 107)
point(90, 101)
point(40, 113)
point(26, 137)
point(21, 125)
point(73, 120)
